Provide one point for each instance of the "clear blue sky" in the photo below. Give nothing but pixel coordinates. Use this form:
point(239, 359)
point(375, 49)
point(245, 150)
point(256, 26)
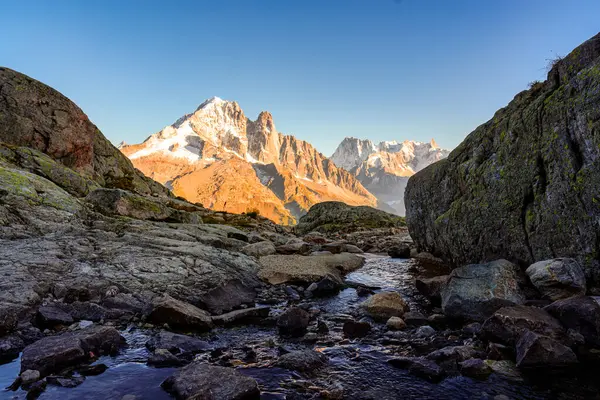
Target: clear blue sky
point(326, 69)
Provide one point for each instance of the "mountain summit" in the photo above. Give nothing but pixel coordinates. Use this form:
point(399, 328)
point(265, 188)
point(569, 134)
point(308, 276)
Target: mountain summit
point(384, 168)
point(222, 159)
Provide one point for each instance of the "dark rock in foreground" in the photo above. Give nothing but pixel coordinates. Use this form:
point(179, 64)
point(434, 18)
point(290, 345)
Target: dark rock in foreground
point(582, 314)
point(541, 352)
point(202, 381)
point(558, 278)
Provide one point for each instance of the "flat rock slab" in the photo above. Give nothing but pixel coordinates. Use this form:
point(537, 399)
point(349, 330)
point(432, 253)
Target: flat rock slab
point(302, 360)
point(277, 269)
point(207, 382)
point(247, 315)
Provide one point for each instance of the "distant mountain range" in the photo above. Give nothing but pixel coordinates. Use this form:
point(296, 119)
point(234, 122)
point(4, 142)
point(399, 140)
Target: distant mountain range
point(384, 169)
point(218, 157)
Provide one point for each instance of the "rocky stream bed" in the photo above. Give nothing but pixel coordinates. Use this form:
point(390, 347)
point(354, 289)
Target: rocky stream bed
point(348, 367)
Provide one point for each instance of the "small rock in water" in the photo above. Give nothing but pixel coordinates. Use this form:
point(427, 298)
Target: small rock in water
point(163, 358)
point(293, 322)
point(396, 323)
point(29, 376)
point(92, 370)
point(425, 331)
point(36, 389)
point(414, 318)
point(363, 291)
point(322, 327)
point(356, 329)
point(65, 382)
point(382, 306)
point(292, 293)
point(475, 368)
point(399, 251)
point(302, 360)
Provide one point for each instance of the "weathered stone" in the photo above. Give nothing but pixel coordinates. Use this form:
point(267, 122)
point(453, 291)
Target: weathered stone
point(293, 322)
point(203, 381)
point(244, 316)
point(455, 354)
point(558, 278)
point(476, 291)
point(29, 376)
point(227, 297)
point(508, 324)
point(71, 382)
point(277, 269)
point(126, 302)
point(294, 247)
point(395, 323)
point(179, 314)
point(415, 318)
point(432, 287)
point(475, 368)
point(49, 317)
point(356, 329)
point(162, 358)
point(505, 368)
point(54, 353)
point(522, 186)
point(177, 344)
point(259, 249)
point(329, 285)
point(384, 305)
point(425, 332)
point(399, 251)
point(10, 347)
point(541, 352)
point(302, 360)
point(581, 314)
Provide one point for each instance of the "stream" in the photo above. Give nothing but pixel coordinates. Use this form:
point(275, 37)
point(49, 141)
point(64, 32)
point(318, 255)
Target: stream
point(358, 368)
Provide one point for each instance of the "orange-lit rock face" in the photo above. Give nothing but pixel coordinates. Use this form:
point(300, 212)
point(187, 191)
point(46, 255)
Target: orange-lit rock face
point(218, 157)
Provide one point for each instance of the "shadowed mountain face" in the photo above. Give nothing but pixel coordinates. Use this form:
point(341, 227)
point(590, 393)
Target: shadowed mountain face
point(384, 169)
point(218, 157)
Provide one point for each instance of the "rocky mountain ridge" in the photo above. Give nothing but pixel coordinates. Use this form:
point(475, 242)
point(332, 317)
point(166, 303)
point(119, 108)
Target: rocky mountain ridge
point(218, 157)
point(384, 168)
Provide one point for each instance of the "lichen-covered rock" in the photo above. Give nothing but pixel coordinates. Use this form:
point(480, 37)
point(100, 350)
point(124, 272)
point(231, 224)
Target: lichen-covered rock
point(384, 305)
point(476, 291)
point(335, 217)
point(524, 185)
point(558, 278)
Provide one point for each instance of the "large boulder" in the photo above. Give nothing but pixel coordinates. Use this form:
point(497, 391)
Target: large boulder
point(509, 324)
point(382, 306)
point(581, 314)
point(558, 278)
point(524, 185)
point(277, 269)
point(541, 352)
point(204, 381)
point(476, 291)
point(260, 249)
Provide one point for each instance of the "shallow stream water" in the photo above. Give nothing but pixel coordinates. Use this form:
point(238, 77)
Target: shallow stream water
point(357, 368)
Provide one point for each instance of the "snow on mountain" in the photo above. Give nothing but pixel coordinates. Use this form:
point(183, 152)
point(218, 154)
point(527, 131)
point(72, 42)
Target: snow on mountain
point(384, 168)
point(214, 156)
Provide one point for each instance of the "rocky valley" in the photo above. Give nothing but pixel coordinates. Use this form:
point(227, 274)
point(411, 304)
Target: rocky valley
point(115, 286)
